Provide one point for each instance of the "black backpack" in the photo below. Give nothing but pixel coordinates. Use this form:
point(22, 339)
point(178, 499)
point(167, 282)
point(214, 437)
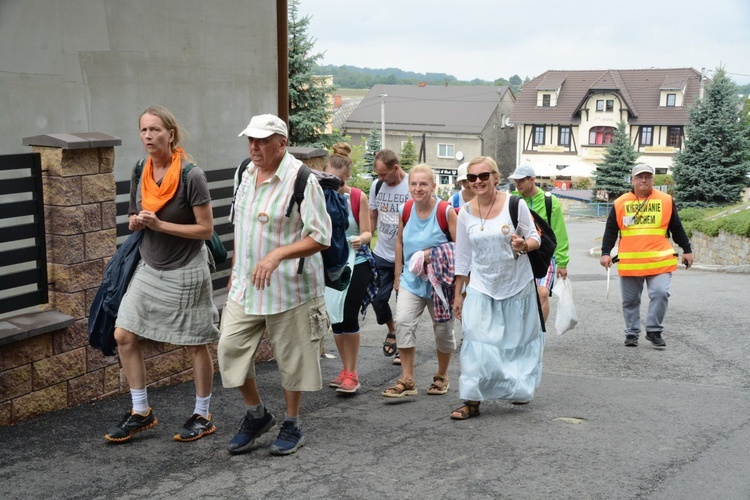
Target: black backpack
point(541, 257)
point(335, 257)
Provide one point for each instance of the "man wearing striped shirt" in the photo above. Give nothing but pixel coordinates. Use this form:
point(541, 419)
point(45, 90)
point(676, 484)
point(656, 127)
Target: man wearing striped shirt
point(266, 291)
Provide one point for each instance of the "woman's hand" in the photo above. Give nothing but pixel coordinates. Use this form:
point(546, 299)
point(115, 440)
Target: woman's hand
point(356, 242)
point(458, 305)
point(133, 223)
point(148, 219)
point(518, 244)
point(426, 256)
point(396, 282)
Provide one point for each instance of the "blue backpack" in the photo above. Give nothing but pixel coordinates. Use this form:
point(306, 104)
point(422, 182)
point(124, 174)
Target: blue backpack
point(335, 257)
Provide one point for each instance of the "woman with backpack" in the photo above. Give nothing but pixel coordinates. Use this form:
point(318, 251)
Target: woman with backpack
point(346, 332)
point(501, 353)
point(170, 297)
point(424, 279)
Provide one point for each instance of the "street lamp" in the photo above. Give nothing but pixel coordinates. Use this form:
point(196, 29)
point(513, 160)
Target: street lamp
point(382, 120)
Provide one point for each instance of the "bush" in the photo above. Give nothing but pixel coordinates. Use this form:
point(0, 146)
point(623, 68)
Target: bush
point(707, 222)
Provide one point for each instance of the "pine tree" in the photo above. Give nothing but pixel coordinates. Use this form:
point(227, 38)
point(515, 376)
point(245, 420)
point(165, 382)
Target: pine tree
point(712, 169)
point(373, 146)
point(408, 154)
point(613, 174)
point(309, 109)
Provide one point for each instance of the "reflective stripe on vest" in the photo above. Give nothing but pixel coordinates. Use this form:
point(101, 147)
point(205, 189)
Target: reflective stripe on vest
point(644, 249)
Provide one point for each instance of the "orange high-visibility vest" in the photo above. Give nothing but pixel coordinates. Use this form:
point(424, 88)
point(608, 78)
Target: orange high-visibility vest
point(644, 249)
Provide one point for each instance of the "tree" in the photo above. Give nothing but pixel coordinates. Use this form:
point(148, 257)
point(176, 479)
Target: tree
point(408, 154)
point(712, 169)
point(613, 174)
point(308, 95)
point(373, 146)
point(360, 178)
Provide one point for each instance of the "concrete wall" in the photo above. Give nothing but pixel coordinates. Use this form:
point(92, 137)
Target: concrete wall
point(95, 65)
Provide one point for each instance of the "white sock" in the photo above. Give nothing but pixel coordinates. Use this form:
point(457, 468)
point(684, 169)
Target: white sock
point(140, 400)
point(201, 405)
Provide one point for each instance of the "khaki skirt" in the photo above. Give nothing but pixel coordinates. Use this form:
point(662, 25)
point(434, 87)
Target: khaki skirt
point(174, 306)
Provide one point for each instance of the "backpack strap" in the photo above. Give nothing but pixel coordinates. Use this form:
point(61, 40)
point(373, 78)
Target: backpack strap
point(237, 179)
point(407, 209)
point(513, 209)
point(548, 206)
point(299, 191)
point(378, 185)
point(442, 217)
point(355, 199)
point(455, 200)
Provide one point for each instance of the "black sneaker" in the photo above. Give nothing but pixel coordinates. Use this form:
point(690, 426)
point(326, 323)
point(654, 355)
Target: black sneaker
point(196, 427)
point(130, 424)
point(250, 429)
point(655, 339)
point(289, 440)
point(632, 340)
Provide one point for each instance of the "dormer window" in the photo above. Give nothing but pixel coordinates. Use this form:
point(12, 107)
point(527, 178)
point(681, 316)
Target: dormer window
point(546, 100)
point(671, 100)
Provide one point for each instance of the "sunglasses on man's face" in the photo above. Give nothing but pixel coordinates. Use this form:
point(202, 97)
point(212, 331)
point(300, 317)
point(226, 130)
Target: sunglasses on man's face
point(482, 177)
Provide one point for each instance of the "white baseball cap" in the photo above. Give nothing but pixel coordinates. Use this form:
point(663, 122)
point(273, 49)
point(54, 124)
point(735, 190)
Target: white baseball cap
point(463, 169)
point(642, 167)
point(262, 126)
point(522, 172)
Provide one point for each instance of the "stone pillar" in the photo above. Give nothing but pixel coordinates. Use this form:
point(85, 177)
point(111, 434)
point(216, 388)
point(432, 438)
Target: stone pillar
point(79, 212)
point(313, 157)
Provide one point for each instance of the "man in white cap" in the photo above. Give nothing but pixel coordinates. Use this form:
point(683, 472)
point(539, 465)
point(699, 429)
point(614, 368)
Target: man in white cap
point(644, 219)
point(548, 206)
point(266, 292)
point(465, 194)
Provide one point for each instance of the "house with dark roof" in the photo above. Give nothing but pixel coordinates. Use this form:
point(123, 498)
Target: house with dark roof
point(568, 117)
point(448, 124)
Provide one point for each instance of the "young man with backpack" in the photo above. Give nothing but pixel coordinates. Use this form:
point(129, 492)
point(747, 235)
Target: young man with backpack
point(387, 194)
point(548, 206)
point(269, 290)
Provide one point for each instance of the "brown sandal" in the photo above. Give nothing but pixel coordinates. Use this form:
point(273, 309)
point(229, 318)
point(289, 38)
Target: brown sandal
point(401, 389)
point(468, 410)
point(439, 385)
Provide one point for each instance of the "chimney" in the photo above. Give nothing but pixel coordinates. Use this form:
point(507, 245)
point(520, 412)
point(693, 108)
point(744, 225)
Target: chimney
point(337, 101)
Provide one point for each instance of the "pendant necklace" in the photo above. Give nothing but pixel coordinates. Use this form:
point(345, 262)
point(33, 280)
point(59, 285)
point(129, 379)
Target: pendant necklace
point(479, 205)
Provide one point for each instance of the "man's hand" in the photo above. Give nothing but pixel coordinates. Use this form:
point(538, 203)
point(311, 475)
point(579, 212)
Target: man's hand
point(562, 273)
point(261, 277)
point(687, 259)
point(458, 305)
point(606, 261)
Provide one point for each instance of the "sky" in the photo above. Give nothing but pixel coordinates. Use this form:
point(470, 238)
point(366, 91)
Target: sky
point(490, 39)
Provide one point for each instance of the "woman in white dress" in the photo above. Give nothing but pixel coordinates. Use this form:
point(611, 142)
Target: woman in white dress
point(503, 342)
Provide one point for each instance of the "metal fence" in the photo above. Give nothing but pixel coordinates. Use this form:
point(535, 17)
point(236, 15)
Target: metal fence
point(23, 250)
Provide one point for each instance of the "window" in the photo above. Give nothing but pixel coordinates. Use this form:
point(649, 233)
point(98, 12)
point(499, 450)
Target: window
point(647, 136)
point(538, 135)
point(545, 100)
point(674, 136)
point(446, 151)
point(610, 105)
point(671, 100)
point(564, 137)
point(600, 105)
point(601, 135)
point(445, 179)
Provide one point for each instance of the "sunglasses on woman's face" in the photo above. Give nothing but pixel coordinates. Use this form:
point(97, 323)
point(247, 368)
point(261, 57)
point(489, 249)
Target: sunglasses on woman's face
point(482, 177)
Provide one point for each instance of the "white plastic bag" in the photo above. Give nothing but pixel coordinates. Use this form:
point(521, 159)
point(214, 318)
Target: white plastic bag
point(335, 298)
point(566, 317)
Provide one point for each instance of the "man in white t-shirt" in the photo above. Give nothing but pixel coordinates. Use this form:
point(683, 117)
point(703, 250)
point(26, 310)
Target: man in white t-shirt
point(386, 194)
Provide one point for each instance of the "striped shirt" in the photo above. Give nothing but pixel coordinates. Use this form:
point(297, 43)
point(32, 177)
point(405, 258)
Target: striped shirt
point(254, 239)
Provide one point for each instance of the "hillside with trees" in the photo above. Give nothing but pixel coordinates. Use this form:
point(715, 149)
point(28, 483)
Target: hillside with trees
point(353, 77)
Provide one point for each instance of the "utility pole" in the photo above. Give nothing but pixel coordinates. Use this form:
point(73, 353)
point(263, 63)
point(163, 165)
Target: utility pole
point(703, 77)
point(382, 120)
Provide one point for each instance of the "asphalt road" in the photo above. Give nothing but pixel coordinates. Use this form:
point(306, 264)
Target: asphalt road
point(608, 421)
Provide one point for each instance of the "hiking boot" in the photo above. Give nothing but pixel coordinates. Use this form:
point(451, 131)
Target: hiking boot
point(250, 429)
point(655, 339)
point(289, 440)
point(632, 340)
point(350, 385)
point(195, 428)
point(338, 380)
point(130, 424)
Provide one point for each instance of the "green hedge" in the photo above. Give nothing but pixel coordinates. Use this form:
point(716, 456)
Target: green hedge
point(706, 222)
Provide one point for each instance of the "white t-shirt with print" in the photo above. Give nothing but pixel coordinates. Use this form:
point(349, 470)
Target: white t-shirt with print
point(387, 201)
